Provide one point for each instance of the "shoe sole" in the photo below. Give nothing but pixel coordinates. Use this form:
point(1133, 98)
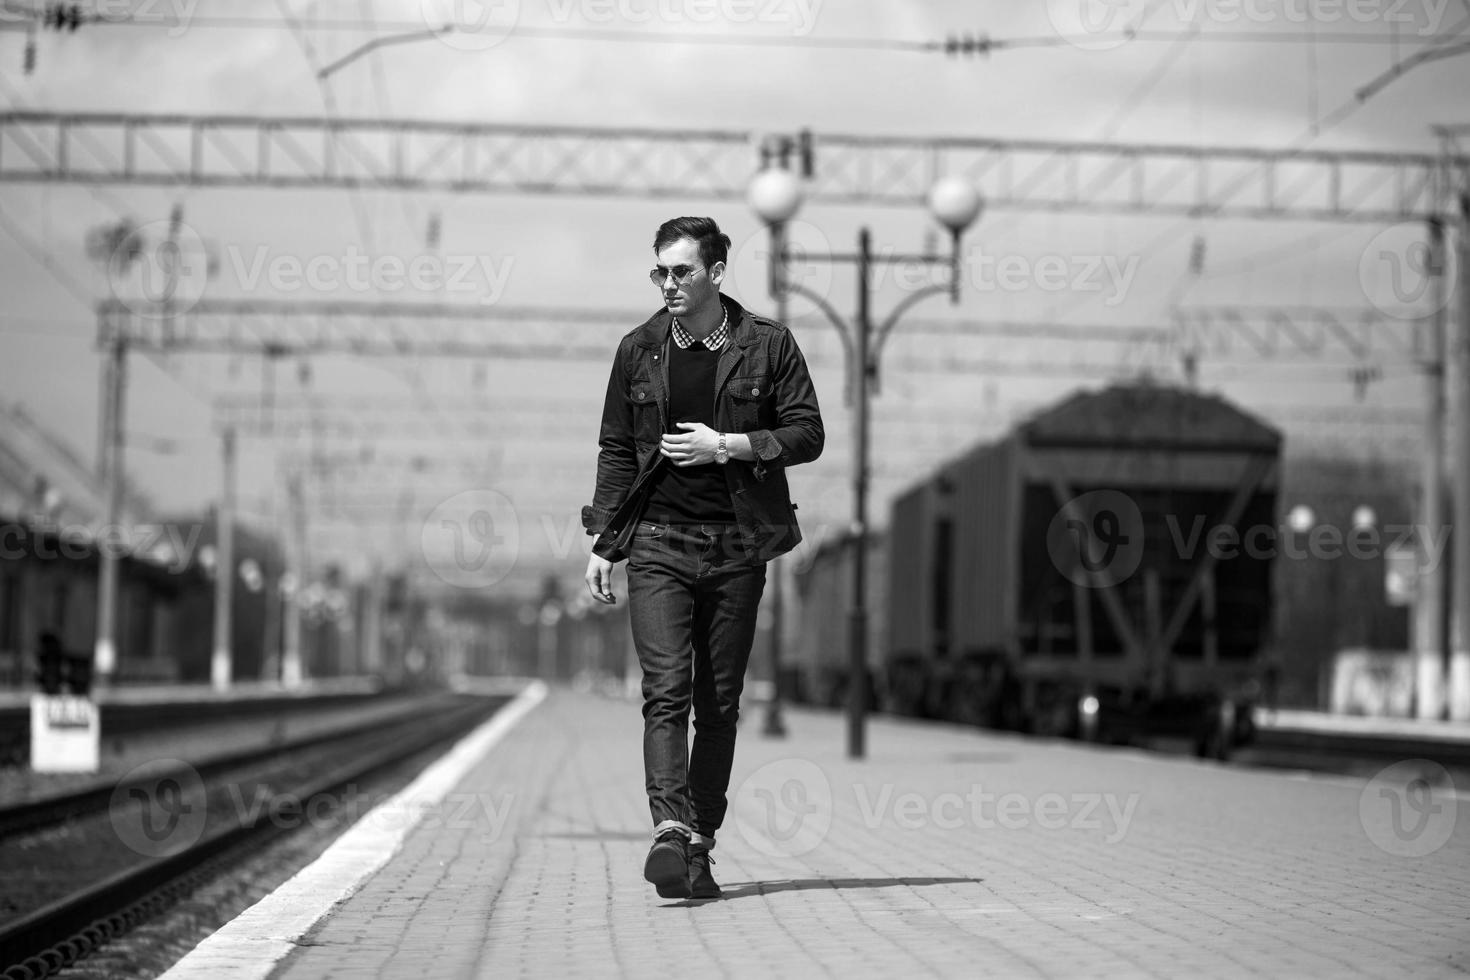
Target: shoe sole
point(714, 894)
point(668, 873)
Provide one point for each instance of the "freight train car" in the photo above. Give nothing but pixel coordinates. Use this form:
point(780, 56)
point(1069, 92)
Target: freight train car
point(1103, 570)
point(1347, 520)
point(815, 670)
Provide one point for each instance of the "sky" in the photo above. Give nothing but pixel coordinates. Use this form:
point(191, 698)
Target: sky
point(516, 439)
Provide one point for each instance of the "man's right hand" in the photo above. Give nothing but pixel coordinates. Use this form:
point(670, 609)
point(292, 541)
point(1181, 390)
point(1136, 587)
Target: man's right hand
point(599, 579)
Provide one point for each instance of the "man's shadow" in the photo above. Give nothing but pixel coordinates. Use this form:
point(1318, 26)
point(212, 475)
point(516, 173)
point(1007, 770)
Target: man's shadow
point(748, 889)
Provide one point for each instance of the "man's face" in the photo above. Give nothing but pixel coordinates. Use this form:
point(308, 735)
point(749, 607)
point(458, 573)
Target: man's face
point(691, 296)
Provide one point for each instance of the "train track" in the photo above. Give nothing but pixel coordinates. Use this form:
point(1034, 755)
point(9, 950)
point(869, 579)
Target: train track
point(37, 814)
point(47, 939)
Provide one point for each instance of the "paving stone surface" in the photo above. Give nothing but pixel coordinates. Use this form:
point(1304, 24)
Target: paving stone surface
point(946, 852)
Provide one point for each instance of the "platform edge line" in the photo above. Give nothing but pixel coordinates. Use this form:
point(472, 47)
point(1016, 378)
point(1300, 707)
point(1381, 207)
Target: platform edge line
point(253, 943)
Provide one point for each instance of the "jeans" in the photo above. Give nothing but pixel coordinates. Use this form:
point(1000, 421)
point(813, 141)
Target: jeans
point(692, 599)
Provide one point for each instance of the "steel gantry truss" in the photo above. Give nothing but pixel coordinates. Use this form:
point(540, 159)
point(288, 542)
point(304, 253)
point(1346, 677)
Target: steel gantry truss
point(291, 328)
point(1311, 331)
point(1032, 175)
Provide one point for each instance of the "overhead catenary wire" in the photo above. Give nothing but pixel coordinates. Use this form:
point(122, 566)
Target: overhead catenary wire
point(984, 44)
point(1360, 98)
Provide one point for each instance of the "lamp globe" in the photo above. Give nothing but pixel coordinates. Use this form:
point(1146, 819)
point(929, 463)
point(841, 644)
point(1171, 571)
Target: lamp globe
point(775, 195)
point(955, 202)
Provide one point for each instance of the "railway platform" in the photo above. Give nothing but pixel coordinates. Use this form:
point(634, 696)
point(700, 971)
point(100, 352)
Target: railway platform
point(947, 851)
point(167, 694)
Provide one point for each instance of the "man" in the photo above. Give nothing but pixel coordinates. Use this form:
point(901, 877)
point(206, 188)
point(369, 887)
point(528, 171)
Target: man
point(706, 407)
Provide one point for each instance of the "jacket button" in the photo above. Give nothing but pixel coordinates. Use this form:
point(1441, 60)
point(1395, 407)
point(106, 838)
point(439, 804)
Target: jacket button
point(755, 391)
point(640, 394)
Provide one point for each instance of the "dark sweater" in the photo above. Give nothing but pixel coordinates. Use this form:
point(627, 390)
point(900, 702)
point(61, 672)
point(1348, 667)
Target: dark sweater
point(691, 494)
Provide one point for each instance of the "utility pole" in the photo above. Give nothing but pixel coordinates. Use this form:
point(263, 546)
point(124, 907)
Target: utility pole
point(291, 597)
point(104, 656)
point(857, 650)
point(1458, 669)
point(372, 622)
point(1429, 604)
point(221, 663)
point(775, 724)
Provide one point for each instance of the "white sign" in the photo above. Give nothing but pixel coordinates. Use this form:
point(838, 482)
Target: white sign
point(65, 733)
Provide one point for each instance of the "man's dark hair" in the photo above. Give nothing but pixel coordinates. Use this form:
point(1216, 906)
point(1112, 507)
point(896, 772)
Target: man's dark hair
point(714, 245)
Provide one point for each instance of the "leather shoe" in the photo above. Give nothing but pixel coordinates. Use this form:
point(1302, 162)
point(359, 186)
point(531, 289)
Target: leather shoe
point(667, 865)
point(702, 884)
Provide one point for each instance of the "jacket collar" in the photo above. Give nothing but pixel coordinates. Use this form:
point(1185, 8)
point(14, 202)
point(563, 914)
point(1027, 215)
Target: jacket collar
point(655, 330)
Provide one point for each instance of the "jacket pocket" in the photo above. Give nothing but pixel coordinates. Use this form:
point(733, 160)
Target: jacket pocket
point(644, 402)
point(750, 402)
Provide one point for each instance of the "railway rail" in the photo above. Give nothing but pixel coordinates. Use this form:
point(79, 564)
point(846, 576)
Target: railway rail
point(46, 939)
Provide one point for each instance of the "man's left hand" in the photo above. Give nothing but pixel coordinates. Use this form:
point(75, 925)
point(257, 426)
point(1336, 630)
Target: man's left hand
point(690, 448)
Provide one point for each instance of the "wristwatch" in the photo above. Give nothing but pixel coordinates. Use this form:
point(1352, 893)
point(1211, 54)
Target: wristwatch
point(722, 454)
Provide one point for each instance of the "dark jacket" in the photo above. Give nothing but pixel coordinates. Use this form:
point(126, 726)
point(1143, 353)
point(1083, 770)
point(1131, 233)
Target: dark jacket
point(762, 389)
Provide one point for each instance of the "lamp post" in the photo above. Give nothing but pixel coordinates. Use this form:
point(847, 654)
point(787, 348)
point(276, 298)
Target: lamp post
point(775, 195)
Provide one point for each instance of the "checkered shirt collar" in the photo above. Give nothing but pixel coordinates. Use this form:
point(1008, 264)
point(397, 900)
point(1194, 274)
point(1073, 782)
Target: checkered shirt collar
point(715, 341)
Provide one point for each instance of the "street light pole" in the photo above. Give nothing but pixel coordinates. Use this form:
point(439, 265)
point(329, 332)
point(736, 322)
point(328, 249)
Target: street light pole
point(775, 725)
point(775, 195)
point(104, 656)
point(857, 658)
